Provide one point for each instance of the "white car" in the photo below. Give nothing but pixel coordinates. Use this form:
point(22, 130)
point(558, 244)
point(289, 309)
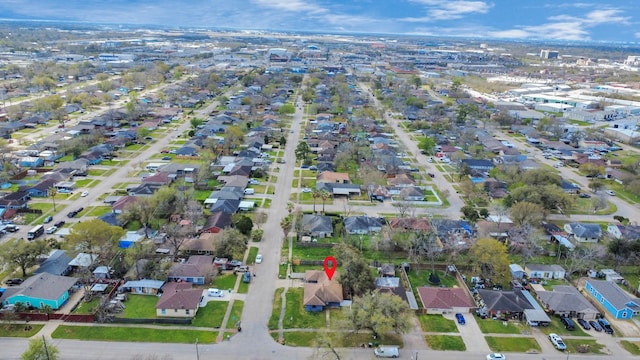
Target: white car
point(84, 193)
point(610, 192)
point(51, 230)
point(386, 351)
point(259, 259)
point(557, 342)
point(215, 293)
point(306, 190)
point(496, 356)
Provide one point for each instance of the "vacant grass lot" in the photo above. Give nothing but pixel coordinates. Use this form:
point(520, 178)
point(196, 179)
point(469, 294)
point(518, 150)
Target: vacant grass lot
point(445, 342)
point(300, 338)
point(592, 345)
point(277, 307)
point(489, 326)
point(140, 307)
point(296, 317)
point(437, 323)
point(211, 315)
point(99, 210)
point(224, 282)
point(133, 334)
point(510, 344)
point(19, 330)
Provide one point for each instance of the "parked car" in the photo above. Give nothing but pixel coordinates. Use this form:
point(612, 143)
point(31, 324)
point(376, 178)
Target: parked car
point(51, 229)
point(386, 351)
point(60, 224)
point(246, 277)
point(584, 195)
point(72, 214)
point(12, 228)
point(568, 323)
point(606, 327)
point(166, 158)
point(84, 194)
point(48, 219)
point(496, 356)
point(215, 293)
point(585, 325)
point(610, 192)
point(460, 319)
point(242, 269)
point(557, 342)
point(594, 324)
point(259, 259)
point(234, 263)
point(16, 281)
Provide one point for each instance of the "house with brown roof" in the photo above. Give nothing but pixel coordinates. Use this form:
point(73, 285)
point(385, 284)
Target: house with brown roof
point(201, 245)
point(216, 222)
point(159, 178)
point(333, 177)
point(401, 180)
point(197, 270)
point(410, 223)
point(320, 292)
point(178, 300)
point(437, 300)
point(120, 204)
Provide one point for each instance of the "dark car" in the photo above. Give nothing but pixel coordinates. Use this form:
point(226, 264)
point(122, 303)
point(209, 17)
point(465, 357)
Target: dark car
point(16, 281)
point(585, 325)
point(166, 158)
point(72, 214)
point(59, 224)
point(595, 325)
point(432, 175)
point(48, 219)
point(606, 327)
point(584, 196)
point(568, 323)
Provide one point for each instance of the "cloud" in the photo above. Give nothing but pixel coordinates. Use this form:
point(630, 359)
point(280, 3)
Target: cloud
point(291, 5)
point(442, 10)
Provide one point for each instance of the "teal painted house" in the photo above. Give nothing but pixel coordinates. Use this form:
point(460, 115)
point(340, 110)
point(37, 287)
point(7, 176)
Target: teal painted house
point(40, 290)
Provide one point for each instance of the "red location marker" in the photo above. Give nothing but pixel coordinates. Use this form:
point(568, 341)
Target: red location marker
point(330, 265)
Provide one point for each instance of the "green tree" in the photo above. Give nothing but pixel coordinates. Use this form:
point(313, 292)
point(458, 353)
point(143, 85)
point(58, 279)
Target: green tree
point(243, 223)
point(489, 258)
point(39, 349)
point(95, 236)
point(286, 109)
point(427, 144)
point(302, 151)
point(324, 195)
point(230, 243)
point(24, 254)
point(378, 312)
point(355, 275)
point(524, 212)
point(592, 170)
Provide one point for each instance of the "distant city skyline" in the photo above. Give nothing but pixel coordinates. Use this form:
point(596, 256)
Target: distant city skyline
point(551, 20)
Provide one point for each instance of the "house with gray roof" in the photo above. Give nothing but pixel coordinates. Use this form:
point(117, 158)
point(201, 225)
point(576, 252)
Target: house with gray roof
point(566, 300)
point(584, 232)
point(317, 225)
point(543, 271)
point(143, 286)
point(363, 224)
point(619, 303)
point(41, 290)
point(57, 263)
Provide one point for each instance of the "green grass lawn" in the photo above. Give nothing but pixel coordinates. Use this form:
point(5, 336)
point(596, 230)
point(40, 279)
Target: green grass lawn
point(510, 344)
point(133, 334)
point(488, 326)
point(211, 315)
point(632, 347)
point(99, 210)
point(83, 182)
point(556, 327)
point(437, 323)
point(243, 287)
point(311, 253)
point(96, 172)
point(296, 317)
point(88, 307)
point(44, 206)
point(277, 307)
point(19, 330)
point(590, 344)
point(224, 282)
point(236, 313)
point(445, 342)
point(300, 338)
point(140, 307)
point(421, 278)
point(251, 258)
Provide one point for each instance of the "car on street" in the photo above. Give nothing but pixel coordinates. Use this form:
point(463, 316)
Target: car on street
point(496, 356)
point(610, 192)
point(584, 195)
point(166, 158)
point(234, 263)
point(50, 230)
point(12, 282)
point(306, 190)
point(585, 325)
point(60, 224)
point(215, 293)
point(557, 342)
point(71, 214)
point(48, 219)
point(386, 351)
point(259, 259)
point(460, 319)
point(594, 324)
point(84, 194)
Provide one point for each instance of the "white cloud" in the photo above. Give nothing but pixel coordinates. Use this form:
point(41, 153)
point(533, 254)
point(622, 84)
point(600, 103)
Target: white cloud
point(442, 10)
point(292, 5)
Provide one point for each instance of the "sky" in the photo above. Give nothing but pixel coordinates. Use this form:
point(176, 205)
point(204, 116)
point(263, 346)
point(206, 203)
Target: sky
point(602, 21)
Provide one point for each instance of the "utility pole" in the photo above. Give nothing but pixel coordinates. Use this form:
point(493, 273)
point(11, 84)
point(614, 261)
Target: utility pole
point(46, 350)
point(197, 352)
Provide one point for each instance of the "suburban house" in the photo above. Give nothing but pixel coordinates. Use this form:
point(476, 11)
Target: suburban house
point(57, 263)
point(391, 285)
point(618, 303)
point(15, 200)
point(216, 222)
point(517, 272)
point(547, 272)
point(628, 232)
point(363, 224)
point(566, 300)
point(584, 232)
point(41, 290)
point(201, 245)
point(143, 287)
point(317, 226)
point(437, 300)
point(178, 300)
point(41, 189)
point(410, 223)
point(333, 177)
point(195, 270)
point(320, 292)
point(478, 165)
point(510, 304)
point(339, 189)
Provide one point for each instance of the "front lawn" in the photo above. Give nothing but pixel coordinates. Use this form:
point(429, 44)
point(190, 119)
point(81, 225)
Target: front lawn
point(243, 287)
point(140, 307)
point(421, 278)
point(133, 334)
point(300, 338)
point(277, 307)
point(445, 342)
point(99, 211)
point(224, 282)
point(511, 344)
point(556, 327)
point(251, 258)
point(584, 346)
point(211, 315)
point(488, 326)
point(295, 315)
point(19, 330)
point(437, 323)
point(632, 347)
point(236, 312)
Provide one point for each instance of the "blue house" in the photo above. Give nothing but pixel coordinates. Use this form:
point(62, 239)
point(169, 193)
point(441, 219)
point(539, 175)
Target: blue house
point(618, 303)
point(320, 292)
point(41, 189)
point(41, 290)
point(30, 161)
